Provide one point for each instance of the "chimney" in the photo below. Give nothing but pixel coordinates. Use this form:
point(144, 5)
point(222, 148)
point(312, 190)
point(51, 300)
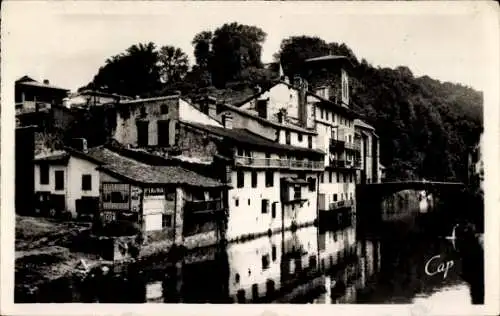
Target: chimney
point(227, 120)
point(46, 81)
point(80, 144)
point(212, 109)
point(301, 85)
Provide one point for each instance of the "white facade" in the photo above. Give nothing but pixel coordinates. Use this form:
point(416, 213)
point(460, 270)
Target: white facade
point(256, 262)
point(72, 187)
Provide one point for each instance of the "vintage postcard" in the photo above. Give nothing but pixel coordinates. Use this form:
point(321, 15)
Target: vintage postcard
point(161, 155)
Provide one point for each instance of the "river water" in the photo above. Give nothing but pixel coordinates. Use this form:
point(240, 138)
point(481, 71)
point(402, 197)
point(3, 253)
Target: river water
point(334, 265)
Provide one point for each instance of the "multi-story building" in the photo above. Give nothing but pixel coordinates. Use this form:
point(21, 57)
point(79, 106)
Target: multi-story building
point(370, 168)
point(273, 184)
point(476, 164)
point(312, 111)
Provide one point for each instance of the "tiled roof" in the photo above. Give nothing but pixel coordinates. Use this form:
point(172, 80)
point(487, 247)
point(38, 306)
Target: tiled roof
point(360, 123)
point(135, 171)
point(55, 157)
point(244, 136)
point(268, 122)
point(40, 85)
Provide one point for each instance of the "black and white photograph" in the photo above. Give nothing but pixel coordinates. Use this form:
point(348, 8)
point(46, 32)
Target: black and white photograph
point(250, 153)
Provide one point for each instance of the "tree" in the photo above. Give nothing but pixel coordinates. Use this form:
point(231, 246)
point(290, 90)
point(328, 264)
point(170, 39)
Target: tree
point(294, 50)
point(132, 73)
point(228, 51)
point(174, 64)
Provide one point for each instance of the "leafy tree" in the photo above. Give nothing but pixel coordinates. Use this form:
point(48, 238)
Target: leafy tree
point(174, 64)
point(228, 51)
point(426, 127)
point(132, 73)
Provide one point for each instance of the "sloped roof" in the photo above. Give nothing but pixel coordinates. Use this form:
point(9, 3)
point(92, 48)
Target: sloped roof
point(361, 123)
point(54, 157)
point(138, 172)
point(326, 57)
point(244, 136)
point(28, 81)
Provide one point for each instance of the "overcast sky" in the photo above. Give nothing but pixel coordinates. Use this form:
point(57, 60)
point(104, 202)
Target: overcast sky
point(67, 42)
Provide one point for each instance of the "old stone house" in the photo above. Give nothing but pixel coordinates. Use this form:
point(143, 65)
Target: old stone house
point(167, 202)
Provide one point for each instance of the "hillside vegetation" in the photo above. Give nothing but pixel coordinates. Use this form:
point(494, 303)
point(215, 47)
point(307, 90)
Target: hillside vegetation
point(426, 126)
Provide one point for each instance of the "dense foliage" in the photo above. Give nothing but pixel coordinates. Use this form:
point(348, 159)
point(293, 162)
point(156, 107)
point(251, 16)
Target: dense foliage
point(426, 127)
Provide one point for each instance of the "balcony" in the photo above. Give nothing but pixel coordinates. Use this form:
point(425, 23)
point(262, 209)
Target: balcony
point(207, 206)
point(336, 145)
point(277, 163)
point(345, 164)
point(324, 206)
point(353, 147)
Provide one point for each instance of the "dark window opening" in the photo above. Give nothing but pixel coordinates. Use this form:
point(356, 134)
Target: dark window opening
point(330, 176)
point(309, 141)
point(166, 220)
point(248, 201)
point(163, 133)
point(287, 137)
point(44, 174)
point(240, 179)
point(142, 133)
point(269, 179)
point(59, 175)
point(262, 108)
point(86, 182)
point(312, 184)
point(237, 202)
point(273, 210)
point(163, 109)
point(335, 197)
point(265, 262)
point(337, 177)
point(273, 253)
point(255, 291)
point(265, 206)
point(240, 152)
point(299, 136)
point(254, 179)
point(297, 193)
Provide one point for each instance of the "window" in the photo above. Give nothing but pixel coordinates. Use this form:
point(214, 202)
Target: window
point(240, 152)
point(321, 178)
point(254, 179)
point(350, 138)
point(330, 176)
point(351, 195)
point(273, 210)
point(265, 206)
point(273, 253)
point(327, 115)
point(86, 182)
point(163, 109)
point(59, 175)
point(236, 202)
point(321, 113)
point(262, 108)
point(309, 141)
point(240, 179)
point(350, 178)
point(166, 220)
point(269, 179)
point(299, 136)
point(297, 193)
point(265, 262)
point(119, 197)
point(44, 174)
point(163, 133)
point(335, 197)
point(142, 133)
point(344, 176)
point(312, 184)
point(287, 137)
point(338, 177)
point(248, 201)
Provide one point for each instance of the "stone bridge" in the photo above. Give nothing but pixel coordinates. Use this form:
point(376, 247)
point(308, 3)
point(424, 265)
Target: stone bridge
point(369, 198)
